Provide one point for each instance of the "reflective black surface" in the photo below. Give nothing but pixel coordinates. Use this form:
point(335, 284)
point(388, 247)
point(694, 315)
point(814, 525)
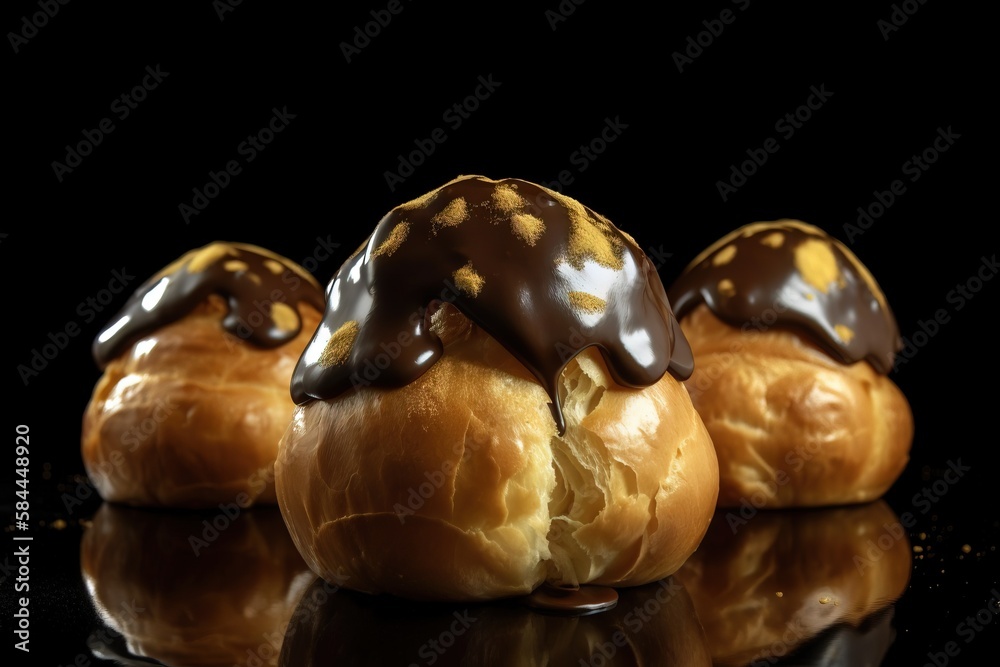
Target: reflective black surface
point(680, 124)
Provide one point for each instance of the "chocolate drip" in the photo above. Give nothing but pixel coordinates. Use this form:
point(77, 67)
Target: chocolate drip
point(262, 289)
point(790, 274)
point(543, 274)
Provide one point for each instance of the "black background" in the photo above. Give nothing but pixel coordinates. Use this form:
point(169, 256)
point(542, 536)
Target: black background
point(323, 177)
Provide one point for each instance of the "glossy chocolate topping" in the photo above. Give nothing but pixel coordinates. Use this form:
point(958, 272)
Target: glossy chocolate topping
point(543, 274)
point(262, 290)
point(790, 274)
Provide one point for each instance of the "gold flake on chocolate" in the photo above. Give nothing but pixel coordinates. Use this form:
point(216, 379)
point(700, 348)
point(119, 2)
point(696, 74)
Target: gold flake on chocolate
point(262, 302)
point(511, 267)
point(420, 202)
point(506, 198)
point(338, 347)
point(393, 241)
point(774, 240)
point(802, 277)
point(467, 280)
point(587, 303)
point(724, 256)
point(207, 256)
point(451, 215)
point(285, 317)
point(590, 237)
point(844, 333)
point(527, 227)
point(815, 261)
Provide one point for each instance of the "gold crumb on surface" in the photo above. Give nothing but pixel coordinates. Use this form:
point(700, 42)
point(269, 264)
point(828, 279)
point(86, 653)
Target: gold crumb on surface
point(420, 202)
point(966, 548)
point(58, 524)
point(780, 594)
point(467, 280)
point(726, 287)
point(393, 241)
point(774, 239)
point(507, 199)
point(724, 256)
point(527, 227)
point(452, 215)
point(210, 254)
point(844, 333)
point(917, 549)
point(826, 599)
point(586, 302)
point(590, 238)
point(338, 348)
point(235, 265)
point(816, 263)
point(284, 316)
point(274, 266)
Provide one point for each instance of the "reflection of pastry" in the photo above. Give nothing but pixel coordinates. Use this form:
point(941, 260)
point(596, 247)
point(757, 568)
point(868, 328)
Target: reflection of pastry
point(526, 431)
point(653, 624)
point(186, 591)
point(765, 585)
point(792, 340)
point(194, 395)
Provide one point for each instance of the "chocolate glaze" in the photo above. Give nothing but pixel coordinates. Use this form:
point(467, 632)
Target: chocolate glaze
point(543, 274)
point(250, 278)
point(763, 274)
point(586, 599)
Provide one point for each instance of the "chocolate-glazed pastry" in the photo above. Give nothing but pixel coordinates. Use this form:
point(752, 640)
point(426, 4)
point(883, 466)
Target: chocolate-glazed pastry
point(538, 271)
point(810, 281)
point(194, 395)
point(262, 291)
point(424, 459)
point(792, 340)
